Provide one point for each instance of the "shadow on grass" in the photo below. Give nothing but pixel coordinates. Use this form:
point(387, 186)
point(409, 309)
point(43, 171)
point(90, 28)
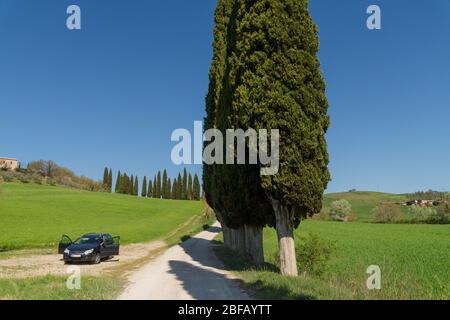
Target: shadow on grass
point(265, 281)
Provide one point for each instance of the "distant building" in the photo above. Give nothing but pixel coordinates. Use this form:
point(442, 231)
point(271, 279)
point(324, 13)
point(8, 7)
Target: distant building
point(9, 163)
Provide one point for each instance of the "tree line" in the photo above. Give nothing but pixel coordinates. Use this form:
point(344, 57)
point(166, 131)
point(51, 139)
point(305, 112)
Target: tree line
point(265, 74)
point(183, 187)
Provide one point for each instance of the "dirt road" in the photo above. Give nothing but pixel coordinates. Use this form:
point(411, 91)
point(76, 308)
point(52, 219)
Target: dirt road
point(34, 265)
point(190, 271)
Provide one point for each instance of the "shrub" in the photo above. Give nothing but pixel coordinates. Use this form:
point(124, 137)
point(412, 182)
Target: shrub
point(421, 214)
point(323, 215)
point(340, 210)
point(313, 255)
point(8, 176)
point(387, 213)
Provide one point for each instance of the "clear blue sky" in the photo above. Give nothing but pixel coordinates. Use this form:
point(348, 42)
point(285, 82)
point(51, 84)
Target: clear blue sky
point(112, 93)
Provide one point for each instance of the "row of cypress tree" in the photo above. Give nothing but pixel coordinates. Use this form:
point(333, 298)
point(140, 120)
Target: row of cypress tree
point(265, 74)
point(183, 187)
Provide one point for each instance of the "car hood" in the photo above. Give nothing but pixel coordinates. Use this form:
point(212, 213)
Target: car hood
point(82, 247)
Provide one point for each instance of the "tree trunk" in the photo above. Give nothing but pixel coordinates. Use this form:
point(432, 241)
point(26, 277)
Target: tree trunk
point(240, 241)
point(254, 244)
point(288, 260)
point(226, 235)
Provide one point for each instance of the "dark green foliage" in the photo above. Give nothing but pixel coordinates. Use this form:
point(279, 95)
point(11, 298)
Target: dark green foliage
point(189, 188)
point(118, 186)
point(136, 187)
point(265, 75)
point(283, 88)
point(179, 187)
point(105, 179)
point(154, 187)
point(144, 187)
point(185, 186)
point(158, 185)
point(164, 187)
point(130, 189)
point(150, 189)
point(110, 180)
point(169, 189)
point(196, 188)
point(174, 189)
point(233, 191)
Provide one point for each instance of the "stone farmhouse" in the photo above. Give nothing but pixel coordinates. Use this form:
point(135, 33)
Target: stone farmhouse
point(9, 163)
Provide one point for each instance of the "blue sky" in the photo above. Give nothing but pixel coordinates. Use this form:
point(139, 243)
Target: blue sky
point(112, 93)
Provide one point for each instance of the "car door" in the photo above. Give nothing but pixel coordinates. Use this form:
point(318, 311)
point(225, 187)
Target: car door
point(105, 247)
point(64, 243)
point(115, 248)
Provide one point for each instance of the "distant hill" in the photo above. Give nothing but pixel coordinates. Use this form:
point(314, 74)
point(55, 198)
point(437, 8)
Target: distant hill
point(363, 202)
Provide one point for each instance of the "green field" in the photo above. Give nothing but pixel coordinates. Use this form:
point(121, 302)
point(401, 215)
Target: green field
point(35, 216)
point(414, 262)
point(363, 202)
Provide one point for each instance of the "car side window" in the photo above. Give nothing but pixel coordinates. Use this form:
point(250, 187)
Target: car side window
point(108, 240)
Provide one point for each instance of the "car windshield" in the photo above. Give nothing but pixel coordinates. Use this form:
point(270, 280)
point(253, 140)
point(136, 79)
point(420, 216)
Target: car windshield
point(88, 239)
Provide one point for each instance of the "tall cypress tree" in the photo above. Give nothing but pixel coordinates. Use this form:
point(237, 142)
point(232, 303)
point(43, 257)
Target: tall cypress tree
point(164, 185)
point(150, 189)
point(117, 189)
point(144, 187)
point(169, 189)
point(275, 47)
point(154, 187)
point(189, 188)
point(136, 186)
point(234, 191)
point(130, 189)
point(179, 187)
point(174, 189)
point(105, 178)
point(110, 180)
point(158, 185)
point(185, 185)
point(196, 188)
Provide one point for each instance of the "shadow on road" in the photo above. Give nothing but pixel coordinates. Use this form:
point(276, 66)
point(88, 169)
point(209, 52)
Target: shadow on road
point(204, 284)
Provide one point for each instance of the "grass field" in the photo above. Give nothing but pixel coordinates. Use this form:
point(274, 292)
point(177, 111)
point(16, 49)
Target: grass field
point(414, 261)
point(363, 202)
point(35, 216)
point(54, 288)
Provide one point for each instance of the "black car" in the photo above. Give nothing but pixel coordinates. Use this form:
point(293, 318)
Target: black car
point(92, 248)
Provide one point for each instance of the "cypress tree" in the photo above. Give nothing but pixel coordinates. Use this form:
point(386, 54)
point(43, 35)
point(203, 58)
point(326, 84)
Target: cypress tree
point(286, 91)
point(150, 189)
point(117, 189)
point(110, 180)
point(169, 189)
point(154, 187)
point(158, 185)
point(234, 191)
point(144, 187)
point(196, 188)
point(136, 186)
point(189, 188)
point(179, 187)
point(185, 185)
point(174, 189)
point(130, 189)
point(164, 185)
point(105, 179)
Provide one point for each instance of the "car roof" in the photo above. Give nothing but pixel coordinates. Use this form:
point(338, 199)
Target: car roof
point(95, 234)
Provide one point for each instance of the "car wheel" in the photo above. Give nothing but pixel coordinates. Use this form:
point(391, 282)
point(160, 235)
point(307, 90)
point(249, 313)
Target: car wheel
point(97, 258)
